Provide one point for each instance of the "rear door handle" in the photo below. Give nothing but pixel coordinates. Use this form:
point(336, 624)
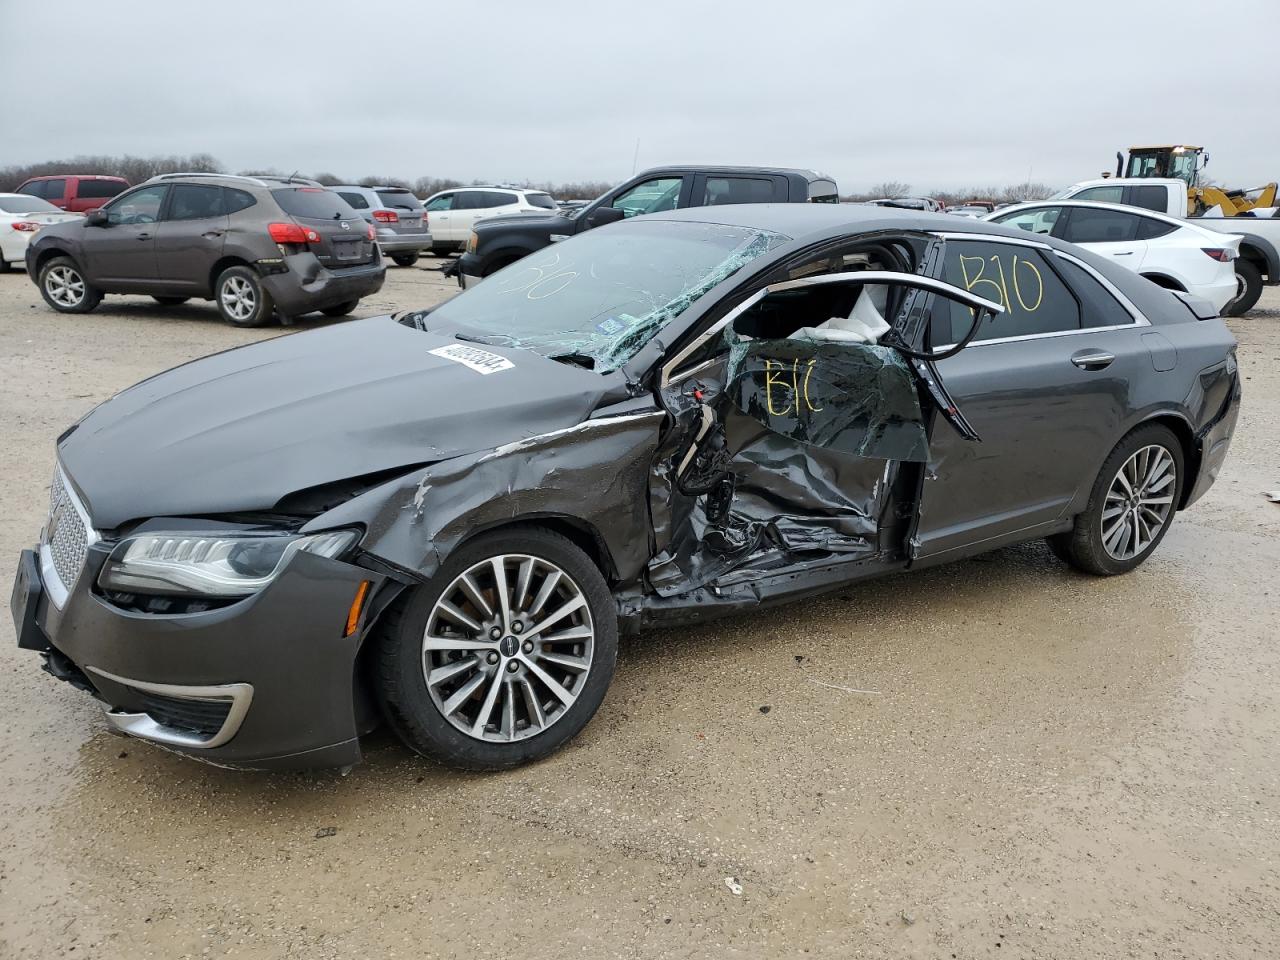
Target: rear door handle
point(1126, 253)
point(1092, 359)
point(212, 234)
point(143, 236)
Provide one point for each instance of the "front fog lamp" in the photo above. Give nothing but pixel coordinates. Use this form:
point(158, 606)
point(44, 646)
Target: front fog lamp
point(229, 565)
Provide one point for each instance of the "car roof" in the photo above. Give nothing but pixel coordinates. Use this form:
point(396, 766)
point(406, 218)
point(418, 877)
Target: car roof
point(815, 221)
point(1119, 207)
point(78, 176)
point(711, 168)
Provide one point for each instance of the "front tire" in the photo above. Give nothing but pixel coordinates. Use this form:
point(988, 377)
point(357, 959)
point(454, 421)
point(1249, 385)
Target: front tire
point(1249, 277)
point(404, 259)
point(1130, 507)
point(241, 298)
point(503, 656)
point(63, 286)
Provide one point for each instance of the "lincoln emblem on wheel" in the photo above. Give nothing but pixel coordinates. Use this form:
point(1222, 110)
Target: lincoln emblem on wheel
point(442, 520)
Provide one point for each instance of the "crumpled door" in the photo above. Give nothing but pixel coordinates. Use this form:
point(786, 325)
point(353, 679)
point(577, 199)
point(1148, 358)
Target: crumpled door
point(786, 452)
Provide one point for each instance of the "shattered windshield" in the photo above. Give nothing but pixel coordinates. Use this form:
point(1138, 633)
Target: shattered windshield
point(600, 297)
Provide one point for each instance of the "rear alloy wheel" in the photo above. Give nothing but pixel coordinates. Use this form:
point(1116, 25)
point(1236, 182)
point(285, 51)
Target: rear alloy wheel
point(504, 655)
point(65, 289)
point(340, 309)
point(241, 299)
point(1249, 289)
point(170, 301)
point(404, 259)
point(1131, 506)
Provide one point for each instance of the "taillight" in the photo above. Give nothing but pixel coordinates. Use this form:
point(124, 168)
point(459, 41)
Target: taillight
point(26, 226)
point(1221, 254)
point(292, 233)
point(386, 216)
point(370, 232)
point(424, 218)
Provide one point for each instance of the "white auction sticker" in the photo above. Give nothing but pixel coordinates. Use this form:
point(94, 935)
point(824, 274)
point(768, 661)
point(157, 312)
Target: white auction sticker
point(481, 361)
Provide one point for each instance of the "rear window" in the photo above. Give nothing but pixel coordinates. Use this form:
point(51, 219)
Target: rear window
point(358, 201)
point(99, 189)
point(1149, 197)
point(399, 199)
point(737, 190)
point(823, 191)
point(313, 203)
point(542, 200)
point(1096, 225)
point(26, 205)
point(1149, 228)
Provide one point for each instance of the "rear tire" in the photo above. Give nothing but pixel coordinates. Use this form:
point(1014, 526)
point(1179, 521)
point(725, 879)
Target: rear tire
point(404, 259)
point(170, 301)
point(1250, 279)
point(488, 705)
point(340, 309)
point(1133, 494)
point(241, 298)
point(63, 286)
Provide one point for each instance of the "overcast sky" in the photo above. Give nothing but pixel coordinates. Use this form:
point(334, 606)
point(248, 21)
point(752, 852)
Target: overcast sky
point(932, 93)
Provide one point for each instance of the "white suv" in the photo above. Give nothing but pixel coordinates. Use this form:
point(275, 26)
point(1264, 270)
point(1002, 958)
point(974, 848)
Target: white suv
point(454, 212)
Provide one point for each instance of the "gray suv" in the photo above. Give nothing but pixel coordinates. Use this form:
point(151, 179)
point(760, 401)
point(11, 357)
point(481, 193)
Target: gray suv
point(399, 222)
point(258, 247)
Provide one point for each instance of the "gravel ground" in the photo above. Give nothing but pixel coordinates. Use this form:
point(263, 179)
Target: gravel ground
point(990, 759)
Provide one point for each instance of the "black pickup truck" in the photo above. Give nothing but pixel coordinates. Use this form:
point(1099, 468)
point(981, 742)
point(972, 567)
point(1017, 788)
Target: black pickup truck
point(498, 241)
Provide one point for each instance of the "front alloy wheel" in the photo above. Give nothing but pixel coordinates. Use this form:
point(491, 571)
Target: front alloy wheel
point(504, 655)
point(508, 647)
point(64, 287)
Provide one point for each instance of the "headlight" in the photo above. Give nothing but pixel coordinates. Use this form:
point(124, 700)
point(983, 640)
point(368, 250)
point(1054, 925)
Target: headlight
point(472, 242)
point(218, 565)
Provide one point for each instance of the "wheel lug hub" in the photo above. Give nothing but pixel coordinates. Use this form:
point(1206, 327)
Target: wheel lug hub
point(493, 658)
point(528, 646)
point(518, 627)
point(495, 633)
point(512, 666)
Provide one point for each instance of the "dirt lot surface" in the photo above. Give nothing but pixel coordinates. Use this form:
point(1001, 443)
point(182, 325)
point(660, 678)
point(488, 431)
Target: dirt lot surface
point(997, 758)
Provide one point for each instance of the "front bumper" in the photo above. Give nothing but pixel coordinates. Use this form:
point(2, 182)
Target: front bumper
point(404, 242)
point(267, 682)
point(302, 284)
point(469, 270)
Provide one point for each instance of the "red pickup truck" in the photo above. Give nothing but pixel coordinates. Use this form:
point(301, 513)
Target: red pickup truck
point(73, 192)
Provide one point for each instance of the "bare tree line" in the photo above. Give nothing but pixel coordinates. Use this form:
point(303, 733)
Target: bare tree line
point(1014, 193)
point(138, 169)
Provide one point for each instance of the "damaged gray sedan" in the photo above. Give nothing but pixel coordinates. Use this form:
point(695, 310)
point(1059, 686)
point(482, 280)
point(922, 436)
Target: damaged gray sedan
point(443, 519)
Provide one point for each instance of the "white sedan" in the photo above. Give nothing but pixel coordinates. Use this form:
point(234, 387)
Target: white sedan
point(20, 217)
point(1173, 253)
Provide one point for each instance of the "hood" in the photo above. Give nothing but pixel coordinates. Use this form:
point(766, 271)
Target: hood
point(239, 430)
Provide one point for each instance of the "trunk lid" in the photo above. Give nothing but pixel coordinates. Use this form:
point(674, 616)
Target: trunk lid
point(343, 234)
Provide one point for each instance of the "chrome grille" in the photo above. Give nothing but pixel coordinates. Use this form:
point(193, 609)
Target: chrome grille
point(66, 536)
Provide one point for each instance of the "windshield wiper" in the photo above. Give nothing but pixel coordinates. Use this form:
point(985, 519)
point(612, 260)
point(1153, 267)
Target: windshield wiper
point(489, 340)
